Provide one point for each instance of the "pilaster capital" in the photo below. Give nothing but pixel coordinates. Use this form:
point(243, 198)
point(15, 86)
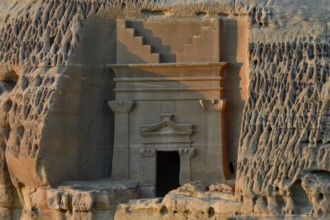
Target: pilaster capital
point(121, 106)
point(148, 152)
point(214, 105)
point(188, 151)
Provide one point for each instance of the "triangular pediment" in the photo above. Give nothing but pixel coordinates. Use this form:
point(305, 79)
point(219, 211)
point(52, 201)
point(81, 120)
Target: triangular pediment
point(167, 127)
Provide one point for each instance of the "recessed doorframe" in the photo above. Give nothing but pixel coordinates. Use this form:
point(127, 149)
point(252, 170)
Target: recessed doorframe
point(167, 172)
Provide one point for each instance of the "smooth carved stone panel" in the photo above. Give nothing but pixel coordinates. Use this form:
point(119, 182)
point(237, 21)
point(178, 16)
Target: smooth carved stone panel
point(172, 81)
point(216, 144)
point(185, 168)
point(168, 136)
point(176, 82)
point(177, 107)
point(167, 41)
point(120, 162)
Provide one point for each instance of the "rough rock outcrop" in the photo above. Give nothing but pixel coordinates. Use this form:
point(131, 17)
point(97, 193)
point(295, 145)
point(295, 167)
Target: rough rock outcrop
point(285, 129)
point(190, 201)
point(285, 133)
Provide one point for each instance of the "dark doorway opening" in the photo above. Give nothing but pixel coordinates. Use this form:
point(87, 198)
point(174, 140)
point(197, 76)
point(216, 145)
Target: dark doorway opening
point(168, 171)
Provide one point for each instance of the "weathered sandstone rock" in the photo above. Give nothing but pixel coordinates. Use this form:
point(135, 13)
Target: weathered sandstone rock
point(57, 130)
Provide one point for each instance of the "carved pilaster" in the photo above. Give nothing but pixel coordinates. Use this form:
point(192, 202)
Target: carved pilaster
point(148, 157)
point(216, 149)
point(120, 161)
point(185, 169)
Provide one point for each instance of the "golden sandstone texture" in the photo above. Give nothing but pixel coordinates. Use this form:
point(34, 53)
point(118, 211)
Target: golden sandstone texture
point(57, 131)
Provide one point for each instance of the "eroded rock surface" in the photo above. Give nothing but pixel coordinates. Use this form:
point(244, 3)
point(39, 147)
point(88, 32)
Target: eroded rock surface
point(55, 124)
point(80, 199)
point(287, 138)
point(190, 201)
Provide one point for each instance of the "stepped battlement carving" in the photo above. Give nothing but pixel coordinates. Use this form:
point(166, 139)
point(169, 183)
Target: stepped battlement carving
point(179, 75)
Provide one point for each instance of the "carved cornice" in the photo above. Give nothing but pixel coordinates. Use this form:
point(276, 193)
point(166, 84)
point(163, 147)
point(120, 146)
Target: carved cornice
point(163, 81)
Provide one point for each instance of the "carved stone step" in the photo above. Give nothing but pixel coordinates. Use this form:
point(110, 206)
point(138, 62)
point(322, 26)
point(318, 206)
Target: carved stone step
point(131, 31)
point(138, 40)
point(133, 48)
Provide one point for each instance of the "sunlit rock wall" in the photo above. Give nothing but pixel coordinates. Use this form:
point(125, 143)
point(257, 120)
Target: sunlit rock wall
point(55, 125)
point(36, 45)
point(54, 84)
point(284, 153)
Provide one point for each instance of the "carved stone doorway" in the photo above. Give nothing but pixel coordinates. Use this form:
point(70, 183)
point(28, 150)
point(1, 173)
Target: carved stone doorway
point(168, 172)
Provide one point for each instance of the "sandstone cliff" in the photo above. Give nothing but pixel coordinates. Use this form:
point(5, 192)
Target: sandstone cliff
point(57, 127)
